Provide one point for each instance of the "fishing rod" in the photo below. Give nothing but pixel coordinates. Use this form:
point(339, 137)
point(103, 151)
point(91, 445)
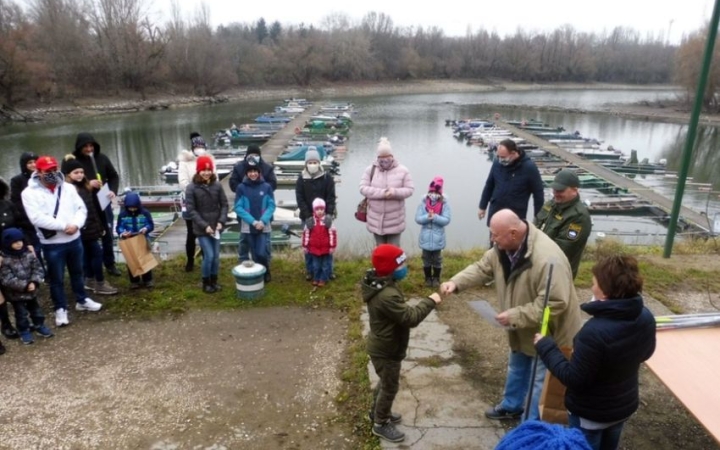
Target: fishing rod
point(700, 322)
point(543, 330)
point(676, 317)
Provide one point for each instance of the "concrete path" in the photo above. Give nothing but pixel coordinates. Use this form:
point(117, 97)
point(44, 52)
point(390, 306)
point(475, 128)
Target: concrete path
point(440, 409)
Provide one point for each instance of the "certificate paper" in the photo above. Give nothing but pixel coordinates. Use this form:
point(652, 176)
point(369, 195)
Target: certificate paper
point(103, 196)
point(486, 311)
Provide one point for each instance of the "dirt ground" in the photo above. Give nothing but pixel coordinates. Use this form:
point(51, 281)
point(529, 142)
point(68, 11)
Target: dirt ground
point(661, 423)
point(253, 379)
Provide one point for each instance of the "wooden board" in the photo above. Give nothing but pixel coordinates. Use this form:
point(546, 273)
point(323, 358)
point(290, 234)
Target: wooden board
point(686, 361)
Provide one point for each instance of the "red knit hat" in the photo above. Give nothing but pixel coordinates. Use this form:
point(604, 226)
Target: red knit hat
point(45, 163)
point(386, 258)
point(204, 162)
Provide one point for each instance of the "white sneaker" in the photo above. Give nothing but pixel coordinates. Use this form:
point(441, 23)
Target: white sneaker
point(89, 305)
point(61, 318)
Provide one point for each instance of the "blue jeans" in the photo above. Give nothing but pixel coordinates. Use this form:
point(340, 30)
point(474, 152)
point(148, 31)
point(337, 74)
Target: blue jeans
point(108, 253)
point(244, 247)
point(211, 256)
point(607, 439)
point(93, 260)
point(57, 257)
point(321, 267)
point(517, 384)
point(258, 246)
point(23, 309)
point(309, 267)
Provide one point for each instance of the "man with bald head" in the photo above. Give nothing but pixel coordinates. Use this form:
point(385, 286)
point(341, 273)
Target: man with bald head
point(518, 263)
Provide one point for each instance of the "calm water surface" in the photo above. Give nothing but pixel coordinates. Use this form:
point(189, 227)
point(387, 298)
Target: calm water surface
point(140, 143)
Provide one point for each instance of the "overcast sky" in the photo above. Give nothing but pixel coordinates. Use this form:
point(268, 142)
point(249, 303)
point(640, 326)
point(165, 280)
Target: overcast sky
point(454, 17)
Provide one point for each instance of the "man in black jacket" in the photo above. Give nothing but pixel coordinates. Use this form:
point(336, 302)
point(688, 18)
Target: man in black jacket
point(266, 170)
point(100, 170)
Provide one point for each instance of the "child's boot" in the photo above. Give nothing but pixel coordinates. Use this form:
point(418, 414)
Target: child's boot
point(428, 277)
point(207, 287)
point(8, 330)
point(436, 276)
point(214, 283)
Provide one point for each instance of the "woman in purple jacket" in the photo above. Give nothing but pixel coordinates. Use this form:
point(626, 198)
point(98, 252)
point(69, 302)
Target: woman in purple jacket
point(386, 184)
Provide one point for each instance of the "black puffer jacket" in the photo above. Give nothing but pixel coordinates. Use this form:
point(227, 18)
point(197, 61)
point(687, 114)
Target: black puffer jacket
point(309, 187)
point(207, 206)
point(8, 212)
point(95, 226)
point(602, 375)
point(17, 184)
point(104, 167)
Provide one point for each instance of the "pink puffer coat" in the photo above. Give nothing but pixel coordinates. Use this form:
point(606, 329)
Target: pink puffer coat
point(386, 215)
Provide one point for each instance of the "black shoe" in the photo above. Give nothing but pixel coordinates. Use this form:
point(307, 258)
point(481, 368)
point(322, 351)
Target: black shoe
point(10, 332)
point(388, 432)
point(498, 413)
point(267, 277)
point(308, 277)
point(113, 270)
point(333, 276)
point(394, 417)
point(189, 266)
point(2, 349)
point(428, 282)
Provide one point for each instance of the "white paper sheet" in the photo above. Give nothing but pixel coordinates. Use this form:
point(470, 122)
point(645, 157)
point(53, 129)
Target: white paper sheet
point(103, 196)
point(486, 311)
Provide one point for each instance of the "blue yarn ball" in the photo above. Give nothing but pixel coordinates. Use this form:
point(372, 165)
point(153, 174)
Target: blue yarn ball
point(537, 435)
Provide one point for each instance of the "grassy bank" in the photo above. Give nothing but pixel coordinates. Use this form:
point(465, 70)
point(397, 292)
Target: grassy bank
point(695, 266)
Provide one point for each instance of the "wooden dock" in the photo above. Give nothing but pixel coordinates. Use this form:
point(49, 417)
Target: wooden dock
point(698, 220)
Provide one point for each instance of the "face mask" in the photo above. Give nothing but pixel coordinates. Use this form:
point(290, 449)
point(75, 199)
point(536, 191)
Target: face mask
point(385, 163)
point(434, 196)
point(401, 273)
point(504, 161)
point(199, 151)
point(49, 178)
point(313, 167)
point(254, 158)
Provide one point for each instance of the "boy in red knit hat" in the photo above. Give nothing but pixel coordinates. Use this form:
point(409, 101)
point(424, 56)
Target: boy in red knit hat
point(390, 321)
point(319, 242)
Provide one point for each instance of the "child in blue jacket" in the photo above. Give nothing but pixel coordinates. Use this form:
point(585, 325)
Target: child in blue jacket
point(433, 214)
point(134, 219)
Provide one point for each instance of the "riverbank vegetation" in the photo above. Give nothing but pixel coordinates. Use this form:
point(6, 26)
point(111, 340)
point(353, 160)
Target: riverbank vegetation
point(63, 50)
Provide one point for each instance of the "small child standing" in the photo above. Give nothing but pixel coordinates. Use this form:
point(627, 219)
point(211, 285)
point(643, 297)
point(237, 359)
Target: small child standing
point(255, 206)
point(433, 214)
point(390, 321)
point(319, 242)
point(132, 220)
point(20, 276)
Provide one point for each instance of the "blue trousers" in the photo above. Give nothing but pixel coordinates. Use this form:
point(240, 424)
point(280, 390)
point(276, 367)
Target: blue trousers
point(108, 254)
point(321, 267)
point(93, 260)
point(57, 257)
point(259, 246)
point(211, 256)
point(26, 308)
point(607, 439)
point(517, 384)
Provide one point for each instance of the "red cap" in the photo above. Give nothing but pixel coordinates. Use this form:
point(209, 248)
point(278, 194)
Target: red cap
point(386, 258)
point(45, 163)
point(204, 162)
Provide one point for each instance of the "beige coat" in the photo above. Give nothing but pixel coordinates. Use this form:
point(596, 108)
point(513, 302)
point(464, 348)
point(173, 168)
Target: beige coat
point(522, 293)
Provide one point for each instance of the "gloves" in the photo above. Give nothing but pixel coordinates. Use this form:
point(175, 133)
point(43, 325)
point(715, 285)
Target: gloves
point(328, 221)
point(310, 223)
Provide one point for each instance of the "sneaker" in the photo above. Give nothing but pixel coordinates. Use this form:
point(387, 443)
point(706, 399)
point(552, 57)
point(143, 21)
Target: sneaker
point(90, 285)
point(135, 285)
point(498, 413)
point(394, 417)
point(104, 288)
point(112, 270)
point(333, 276)
point(308, 277)
point(89, 305)
point(388, 432)
point(61, 318)
point(10, 332)
point(27, 338)
point(44, 331)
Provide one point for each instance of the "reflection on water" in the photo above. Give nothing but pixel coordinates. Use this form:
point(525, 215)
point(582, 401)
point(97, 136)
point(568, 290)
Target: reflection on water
point(141, 143)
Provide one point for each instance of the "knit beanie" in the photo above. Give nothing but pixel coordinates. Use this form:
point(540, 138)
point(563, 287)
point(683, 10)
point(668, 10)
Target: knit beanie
point(318, 203)
point(384, 148)
point(204, 162)
point(46, 163)
point(386, 258)
point(312, 154)
point(9, 236)
point(197, 141)
point(253, 149)
point(436, 185)
point(537, 435)
point(69, 164)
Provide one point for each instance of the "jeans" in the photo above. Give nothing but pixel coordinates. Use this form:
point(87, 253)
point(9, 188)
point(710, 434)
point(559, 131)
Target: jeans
point(93, 260)
point(517, 384)
point(386, 388)
point(211, 256)
point(244, 247)
point(25, 308)
point(393, 239)
point(258, 246)
point(321, 267)
point(432, 258)
point(607, 439)
point(57, 257)
point(107, 239)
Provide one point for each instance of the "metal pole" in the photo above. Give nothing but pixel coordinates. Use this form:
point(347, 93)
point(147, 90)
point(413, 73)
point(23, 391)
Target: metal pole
point(692, 130)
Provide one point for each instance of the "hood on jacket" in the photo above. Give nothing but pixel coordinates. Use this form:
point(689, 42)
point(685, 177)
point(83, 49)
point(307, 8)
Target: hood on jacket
point(132, 200)
point(186, 156)
point(83, 139)
point(372, 284)
point(617, 309)
point(4, 189)
point(24, 159)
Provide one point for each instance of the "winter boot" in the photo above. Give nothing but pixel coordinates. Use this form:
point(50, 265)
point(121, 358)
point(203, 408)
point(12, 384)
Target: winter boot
point(207, 287)
point(214, 283)
point(428, 277)
point(8, 330)
point(267, 277)
point(436, 276)
point(190, 265)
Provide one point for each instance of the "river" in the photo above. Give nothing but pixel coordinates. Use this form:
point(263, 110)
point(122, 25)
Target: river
point(140, 143)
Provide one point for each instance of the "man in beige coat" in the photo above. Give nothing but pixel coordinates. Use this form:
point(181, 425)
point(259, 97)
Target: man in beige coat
point(519, 264)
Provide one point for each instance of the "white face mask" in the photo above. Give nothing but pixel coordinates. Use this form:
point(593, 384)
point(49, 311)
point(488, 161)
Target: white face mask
point(199, 151)
point(313, 167)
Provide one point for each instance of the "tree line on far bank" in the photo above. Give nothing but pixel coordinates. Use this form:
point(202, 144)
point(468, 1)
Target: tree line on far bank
point(66, 49)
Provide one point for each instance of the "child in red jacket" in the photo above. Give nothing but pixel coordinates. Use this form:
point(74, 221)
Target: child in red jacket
point(319, 242)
